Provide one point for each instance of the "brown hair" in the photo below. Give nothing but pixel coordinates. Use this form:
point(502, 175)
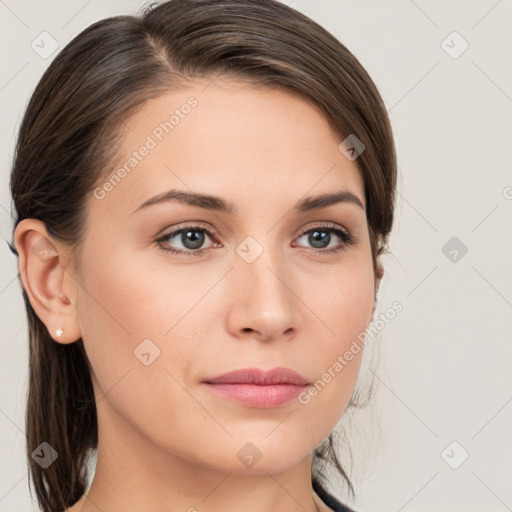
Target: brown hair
point(73, 121)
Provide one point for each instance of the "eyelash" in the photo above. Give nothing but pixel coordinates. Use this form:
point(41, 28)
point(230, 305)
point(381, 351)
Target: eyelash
point(346, 237)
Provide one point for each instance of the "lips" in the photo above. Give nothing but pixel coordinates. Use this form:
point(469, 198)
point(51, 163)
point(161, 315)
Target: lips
point(259, 377)
point(256, 388)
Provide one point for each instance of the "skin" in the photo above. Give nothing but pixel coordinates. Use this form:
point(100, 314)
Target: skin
point(164, 439)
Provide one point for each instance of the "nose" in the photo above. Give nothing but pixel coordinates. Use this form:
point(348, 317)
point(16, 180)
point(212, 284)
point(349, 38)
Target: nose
point(264, 303)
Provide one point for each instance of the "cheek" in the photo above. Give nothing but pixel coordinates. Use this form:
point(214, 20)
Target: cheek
point(343, 297)
point(343, 302)
point(117, 312)
point(124, 298)
point(126, 314)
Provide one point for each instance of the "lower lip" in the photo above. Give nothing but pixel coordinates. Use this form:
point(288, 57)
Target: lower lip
point(255, 395)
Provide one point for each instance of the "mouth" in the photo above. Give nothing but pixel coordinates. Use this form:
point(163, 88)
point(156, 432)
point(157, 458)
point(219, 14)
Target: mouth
point(257, 388)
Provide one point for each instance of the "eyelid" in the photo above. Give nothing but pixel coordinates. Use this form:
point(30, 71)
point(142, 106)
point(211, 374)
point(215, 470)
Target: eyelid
point(323, 224)
point(186, 225)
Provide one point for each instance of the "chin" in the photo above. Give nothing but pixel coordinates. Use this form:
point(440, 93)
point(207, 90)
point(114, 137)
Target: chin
point(256, 456)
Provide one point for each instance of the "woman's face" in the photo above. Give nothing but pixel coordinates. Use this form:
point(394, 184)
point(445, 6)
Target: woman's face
point(252, 291)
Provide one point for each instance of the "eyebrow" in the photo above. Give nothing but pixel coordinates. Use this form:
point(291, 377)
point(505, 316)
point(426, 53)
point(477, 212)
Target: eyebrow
point(217, 204)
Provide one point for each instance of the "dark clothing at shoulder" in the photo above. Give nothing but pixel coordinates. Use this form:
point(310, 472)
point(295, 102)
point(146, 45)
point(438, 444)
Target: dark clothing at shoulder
point(330, 500)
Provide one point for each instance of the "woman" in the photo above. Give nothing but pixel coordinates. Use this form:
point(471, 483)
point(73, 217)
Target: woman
point(202, 196)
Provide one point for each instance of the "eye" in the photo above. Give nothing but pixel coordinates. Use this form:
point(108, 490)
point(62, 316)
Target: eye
point(321, 236)
point(192, 237)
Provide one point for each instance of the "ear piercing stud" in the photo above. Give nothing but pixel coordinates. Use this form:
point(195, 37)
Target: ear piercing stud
point(59, 332)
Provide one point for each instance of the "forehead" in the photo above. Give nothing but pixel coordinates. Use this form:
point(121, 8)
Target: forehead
point(229, 139)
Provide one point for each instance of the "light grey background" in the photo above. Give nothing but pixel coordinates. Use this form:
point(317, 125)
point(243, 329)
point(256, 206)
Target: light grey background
point(444, 365)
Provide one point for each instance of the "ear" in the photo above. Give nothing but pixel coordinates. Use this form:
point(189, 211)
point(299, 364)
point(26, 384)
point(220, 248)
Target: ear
point(379, 273)
point(51, 288)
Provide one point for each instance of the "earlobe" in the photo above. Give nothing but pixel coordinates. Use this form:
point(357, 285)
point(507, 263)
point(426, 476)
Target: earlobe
point(42, 267)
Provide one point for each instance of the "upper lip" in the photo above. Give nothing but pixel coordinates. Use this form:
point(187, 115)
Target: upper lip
point(256, 376)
